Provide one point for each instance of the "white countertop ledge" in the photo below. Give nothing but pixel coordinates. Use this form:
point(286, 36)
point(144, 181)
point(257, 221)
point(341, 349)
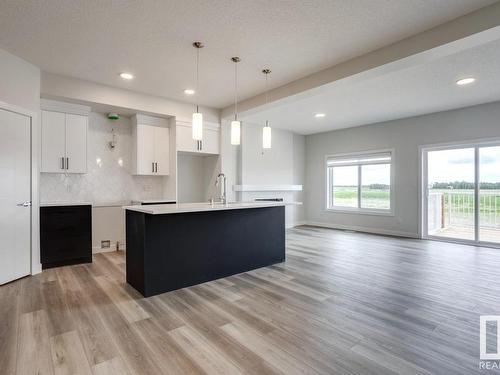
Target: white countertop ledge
point(56, 204)
point(135, 201)
point(160, 209)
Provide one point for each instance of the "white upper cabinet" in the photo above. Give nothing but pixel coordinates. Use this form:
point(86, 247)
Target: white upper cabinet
point(53, 142)
point(76, 143)
point(162, 150)
point(185, 141)
point(64, 138)
point(211, 142)
point(209, 145)
point(151, 146)
point(145, 154)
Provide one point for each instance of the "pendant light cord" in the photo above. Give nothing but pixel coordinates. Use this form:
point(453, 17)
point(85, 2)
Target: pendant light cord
point(267, 72)
point(197, 78)
point(236, 91)
point(267, 91)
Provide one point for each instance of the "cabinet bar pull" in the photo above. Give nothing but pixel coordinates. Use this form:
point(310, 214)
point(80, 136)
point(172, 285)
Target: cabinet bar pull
point(62, 163)
point(67, 163)
point(156, 167)
point(153, 167)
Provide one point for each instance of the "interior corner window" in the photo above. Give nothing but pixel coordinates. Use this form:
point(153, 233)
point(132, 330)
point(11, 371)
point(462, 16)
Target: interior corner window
point(360, 182)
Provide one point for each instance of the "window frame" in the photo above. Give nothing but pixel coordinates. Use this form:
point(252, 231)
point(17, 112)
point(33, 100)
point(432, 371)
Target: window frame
point(359, 209)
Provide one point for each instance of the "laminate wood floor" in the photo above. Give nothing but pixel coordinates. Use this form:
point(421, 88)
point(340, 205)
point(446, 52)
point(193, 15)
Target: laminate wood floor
point(342, 303)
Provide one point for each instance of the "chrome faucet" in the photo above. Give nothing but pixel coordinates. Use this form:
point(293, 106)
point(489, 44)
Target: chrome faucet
point(224, 186)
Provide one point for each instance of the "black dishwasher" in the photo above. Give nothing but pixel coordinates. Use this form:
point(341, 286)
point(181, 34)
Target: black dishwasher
point(65, 235)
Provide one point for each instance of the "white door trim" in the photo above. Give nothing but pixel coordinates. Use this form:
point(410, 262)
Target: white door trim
point(36, 266)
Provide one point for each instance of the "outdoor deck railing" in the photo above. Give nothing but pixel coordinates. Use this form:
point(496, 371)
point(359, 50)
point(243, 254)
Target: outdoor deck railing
point(456, 208)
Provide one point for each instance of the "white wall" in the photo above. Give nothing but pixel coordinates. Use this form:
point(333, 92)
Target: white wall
point(19, 82)
point(405, 136)
point(190, 179)
point(249, 164)
point(20, 87)
point(108, 179)
point(108, 223)
point(59, 87)
point(196, 177)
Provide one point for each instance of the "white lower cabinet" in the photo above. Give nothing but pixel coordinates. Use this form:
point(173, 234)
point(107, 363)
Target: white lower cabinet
point(209, 145)
point(64, 142)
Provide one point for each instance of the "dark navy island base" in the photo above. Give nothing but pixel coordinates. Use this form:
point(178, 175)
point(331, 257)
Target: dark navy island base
point(172, 251)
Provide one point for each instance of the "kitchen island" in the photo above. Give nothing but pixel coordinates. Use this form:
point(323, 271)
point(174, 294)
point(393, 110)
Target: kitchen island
point(178, 245)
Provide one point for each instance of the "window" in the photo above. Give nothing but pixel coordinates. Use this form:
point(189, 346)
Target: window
point(360, 182)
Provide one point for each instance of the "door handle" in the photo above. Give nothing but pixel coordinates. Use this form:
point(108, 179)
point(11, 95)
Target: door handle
point(24, 204)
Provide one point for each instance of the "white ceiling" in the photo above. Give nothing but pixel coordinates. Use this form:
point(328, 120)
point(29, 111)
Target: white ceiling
point(95, 40)
point(409, 92)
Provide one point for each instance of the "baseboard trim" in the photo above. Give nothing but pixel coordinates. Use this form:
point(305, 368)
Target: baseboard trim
point(97, 249)
point(36, 269)
point(354, 228)
point(295, 224)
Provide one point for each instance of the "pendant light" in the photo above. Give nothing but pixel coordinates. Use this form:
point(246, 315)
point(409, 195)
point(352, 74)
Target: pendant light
point(197, 127)
point(235, 124)
point(266, 130)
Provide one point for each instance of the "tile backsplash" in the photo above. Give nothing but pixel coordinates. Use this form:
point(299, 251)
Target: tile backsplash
point(108, 179)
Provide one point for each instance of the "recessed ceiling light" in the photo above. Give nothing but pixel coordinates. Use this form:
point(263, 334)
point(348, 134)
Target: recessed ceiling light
point(126, 76)
point(319, 115)
point(465, 81)
point(189, 91)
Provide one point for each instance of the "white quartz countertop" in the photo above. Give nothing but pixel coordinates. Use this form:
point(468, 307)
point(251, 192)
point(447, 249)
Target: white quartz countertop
point(160, 209)
point(153, 201)
point(55, 204)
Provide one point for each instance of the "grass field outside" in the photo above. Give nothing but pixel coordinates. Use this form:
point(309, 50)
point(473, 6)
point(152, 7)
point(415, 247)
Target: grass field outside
point(347, 196)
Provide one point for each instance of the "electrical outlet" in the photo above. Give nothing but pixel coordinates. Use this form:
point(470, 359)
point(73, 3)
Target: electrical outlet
point(106, 244)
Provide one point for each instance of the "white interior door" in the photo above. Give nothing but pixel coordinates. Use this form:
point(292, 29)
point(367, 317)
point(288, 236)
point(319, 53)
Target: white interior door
point(76, 143)
point(162, 147)
point(15, 196)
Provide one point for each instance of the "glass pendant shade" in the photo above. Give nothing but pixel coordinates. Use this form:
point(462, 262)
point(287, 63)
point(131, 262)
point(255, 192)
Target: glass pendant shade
point(266, 136)
point(235, 132)
point(197, 126)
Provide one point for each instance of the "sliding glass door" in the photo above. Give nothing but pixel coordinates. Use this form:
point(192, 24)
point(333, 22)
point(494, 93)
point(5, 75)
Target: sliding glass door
point(489, 194)
point(461, 199)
